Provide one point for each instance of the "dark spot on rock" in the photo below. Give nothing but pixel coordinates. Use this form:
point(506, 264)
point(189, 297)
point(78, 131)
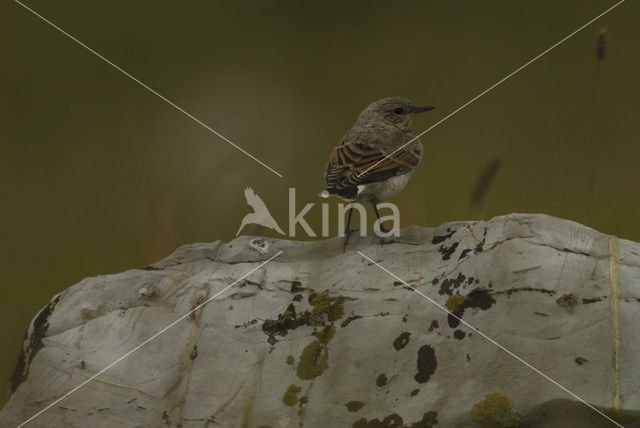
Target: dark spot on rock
point(288, 320)
point(435, 281)
point(433, 326)
point(414, 392)
point(429, 420)
point(404, 318)
point(450, 284)
point(354, 406)
point(392, 421)
point(453, 321)
point(401, 341)
point(348, 320)
point(441, 238)
point(246, 324)
point(426, 364)
point(593, 300)
point(568, 301)
point(464, 253)
point(459, 334)
point(511, 291)
point(580, 361)
point(399, 283)
point(470, 280)
point(381, 380)
point(478, 298)
point(468, 356)
point(478, 249)
point(296, 286)
point(194, 352)
point(297, 298)
point(447, 251)
point(541, 314)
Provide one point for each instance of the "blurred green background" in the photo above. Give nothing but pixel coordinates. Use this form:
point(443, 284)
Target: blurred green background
point(97, 175)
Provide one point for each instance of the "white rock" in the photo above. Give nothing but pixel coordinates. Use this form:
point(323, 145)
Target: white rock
point(322, 338)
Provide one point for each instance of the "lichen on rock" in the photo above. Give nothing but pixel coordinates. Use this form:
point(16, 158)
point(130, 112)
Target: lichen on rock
point(495, 410)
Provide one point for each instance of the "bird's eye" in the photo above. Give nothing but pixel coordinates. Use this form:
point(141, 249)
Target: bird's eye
point(398, 110)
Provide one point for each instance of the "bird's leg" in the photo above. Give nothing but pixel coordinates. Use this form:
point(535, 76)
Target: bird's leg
point(375, 208)
point(382, 228)
point(347, 230)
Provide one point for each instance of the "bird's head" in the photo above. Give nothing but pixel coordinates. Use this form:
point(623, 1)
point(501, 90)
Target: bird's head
point(395, 111)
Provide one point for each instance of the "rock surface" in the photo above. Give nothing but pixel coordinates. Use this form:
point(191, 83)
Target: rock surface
point(321, 338)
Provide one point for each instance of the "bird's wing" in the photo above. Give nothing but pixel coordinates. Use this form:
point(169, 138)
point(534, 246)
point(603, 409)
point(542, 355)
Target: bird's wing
point(255, 201)
point(349, 161)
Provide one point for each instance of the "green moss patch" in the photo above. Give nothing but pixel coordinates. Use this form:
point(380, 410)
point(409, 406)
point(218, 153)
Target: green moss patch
point(495, 411)
point(313, 361)
point(290, 397)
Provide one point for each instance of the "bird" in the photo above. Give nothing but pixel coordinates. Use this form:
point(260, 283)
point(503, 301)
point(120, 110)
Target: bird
point(260, 215)
point(377, 156)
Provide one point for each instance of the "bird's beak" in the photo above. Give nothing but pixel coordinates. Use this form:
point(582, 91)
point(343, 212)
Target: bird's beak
point(421, 109)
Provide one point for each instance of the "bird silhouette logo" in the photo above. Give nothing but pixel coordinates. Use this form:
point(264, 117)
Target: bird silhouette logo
point(260, 214)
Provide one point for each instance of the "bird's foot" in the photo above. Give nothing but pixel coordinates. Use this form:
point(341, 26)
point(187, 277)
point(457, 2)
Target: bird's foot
point(383, 239)
point(386, 241)
point(347, 234)
point(382, 229)
point(344, 246)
